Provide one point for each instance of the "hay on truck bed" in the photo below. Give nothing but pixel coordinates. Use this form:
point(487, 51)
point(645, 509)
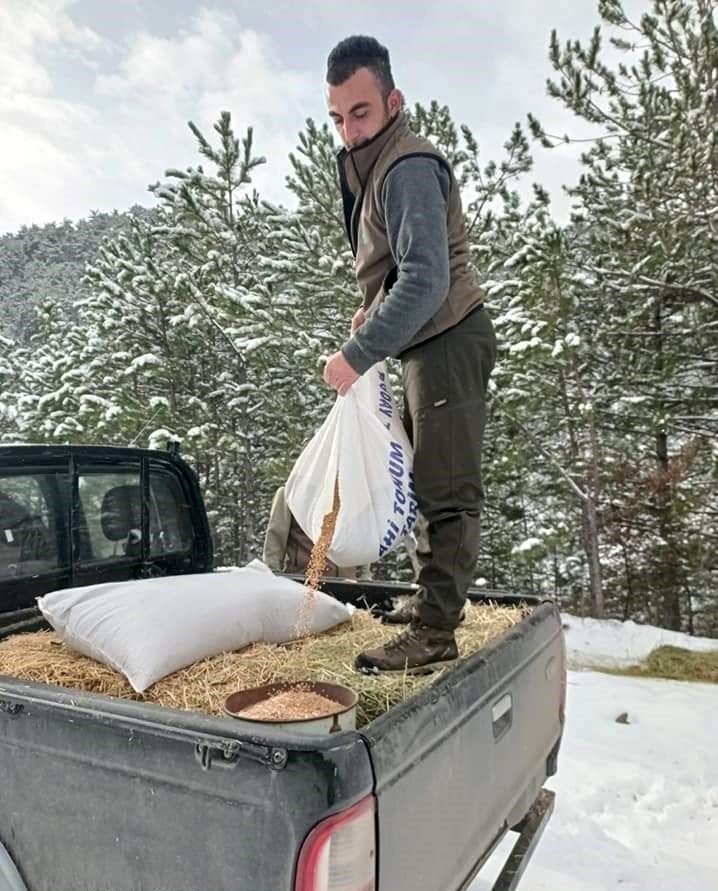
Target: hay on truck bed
point(41, 656)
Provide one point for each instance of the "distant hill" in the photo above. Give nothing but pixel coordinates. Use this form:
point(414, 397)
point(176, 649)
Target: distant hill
point(39, 262)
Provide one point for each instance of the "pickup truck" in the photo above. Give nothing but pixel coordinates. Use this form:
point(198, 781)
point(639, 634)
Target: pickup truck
point(100, 794)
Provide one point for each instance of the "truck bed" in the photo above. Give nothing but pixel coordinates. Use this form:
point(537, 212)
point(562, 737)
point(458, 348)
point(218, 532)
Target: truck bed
point(99, 794)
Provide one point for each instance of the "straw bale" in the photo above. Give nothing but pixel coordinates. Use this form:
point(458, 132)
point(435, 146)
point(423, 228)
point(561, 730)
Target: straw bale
point(204, 686)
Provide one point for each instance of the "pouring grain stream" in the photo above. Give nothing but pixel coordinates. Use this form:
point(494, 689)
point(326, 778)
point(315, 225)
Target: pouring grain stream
point(317, 563)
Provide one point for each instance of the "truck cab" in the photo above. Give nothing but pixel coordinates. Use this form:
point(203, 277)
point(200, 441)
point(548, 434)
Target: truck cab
point(80, 515)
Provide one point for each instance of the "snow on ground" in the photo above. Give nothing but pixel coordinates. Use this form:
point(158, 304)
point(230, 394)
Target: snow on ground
point(636, 803)
point(604, 643)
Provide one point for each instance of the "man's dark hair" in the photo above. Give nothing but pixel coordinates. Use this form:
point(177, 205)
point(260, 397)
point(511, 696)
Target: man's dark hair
point(357, 52)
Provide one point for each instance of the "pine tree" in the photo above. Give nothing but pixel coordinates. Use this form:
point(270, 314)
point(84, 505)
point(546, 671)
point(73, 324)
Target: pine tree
point(8, 381)
point(646, 212)
point(164, 345)
point(310, 291)
point(182, 290)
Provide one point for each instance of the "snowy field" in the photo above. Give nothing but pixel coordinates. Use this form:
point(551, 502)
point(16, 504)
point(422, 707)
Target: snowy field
point(636, 803)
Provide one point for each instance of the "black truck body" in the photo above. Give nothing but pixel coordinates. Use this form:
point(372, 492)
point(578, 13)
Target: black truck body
point(99, 794)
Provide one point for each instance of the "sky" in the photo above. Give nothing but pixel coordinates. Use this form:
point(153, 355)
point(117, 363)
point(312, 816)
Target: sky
point(95, 95)
point(636, 803)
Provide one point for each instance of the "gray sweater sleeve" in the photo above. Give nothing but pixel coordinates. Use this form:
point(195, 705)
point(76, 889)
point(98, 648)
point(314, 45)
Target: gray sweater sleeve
point(415, 195)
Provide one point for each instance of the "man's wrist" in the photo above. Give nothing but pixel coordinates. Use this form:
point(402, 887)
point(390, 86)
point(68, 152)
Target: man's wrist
point(356, 356)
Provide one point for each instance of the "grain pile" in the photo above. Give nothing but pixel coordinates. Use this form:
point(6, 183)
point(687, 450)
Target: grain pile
point(205, 685)
point(291, 705)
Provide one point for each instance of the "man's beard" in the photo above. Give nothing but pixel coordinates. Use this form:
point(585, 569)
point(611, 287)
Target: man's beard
point(388, 117)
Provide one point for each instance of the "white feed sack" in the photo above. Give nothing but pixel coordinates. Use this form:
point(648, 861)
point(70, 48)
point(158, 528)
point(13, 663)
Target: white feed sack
point(363, 444)
point(150, 628)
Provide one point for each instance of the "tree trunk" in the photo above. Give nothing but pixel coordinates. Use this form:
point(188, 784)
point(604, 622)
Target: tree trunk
point(667, 568)
point(667, 565)
point(590, 544)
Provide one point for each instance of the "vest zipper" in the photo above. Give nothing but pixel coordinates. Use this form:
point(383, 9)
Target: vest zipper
point(356, 210)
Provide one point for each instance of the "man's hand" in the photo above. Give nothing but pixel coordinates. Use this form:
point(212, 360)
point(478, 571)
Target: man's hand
point(339, 374)
point(358, 320)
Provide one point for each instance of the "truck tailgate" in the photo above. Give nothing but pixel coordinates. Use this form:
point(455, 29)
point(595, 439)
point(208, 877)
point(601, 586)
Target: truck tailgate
point(104, 795)
point(462, 761)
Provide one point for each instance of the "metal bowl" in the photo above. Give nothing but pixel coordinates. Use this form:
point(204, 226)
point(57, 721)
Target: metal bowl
point(343, 717)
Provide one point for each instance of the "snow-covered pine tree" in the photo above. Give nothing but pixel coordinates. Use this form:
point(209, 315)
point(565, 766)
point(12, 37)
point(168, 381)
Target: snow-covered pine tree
point(310, 292)
point(647, 209)
point(176, 302)
point(49, 399)
point(540, 523)
point(161, 348)
point(9, 374)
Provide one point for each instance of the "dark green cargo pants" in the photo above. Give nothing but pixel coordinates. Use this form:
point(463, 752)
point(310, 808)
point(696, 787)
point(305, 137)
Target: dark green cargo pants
point(445, 382)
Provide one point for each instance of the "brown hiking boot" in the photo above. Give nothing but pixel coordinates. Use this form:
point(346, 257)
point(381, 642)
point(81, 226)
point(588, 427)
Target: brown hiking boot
point(406, 613)
point(417, 650)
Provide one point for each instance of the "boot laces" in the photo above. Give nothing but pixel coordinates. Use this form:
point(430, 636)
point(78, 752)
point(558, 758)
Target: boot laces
point(400, 640)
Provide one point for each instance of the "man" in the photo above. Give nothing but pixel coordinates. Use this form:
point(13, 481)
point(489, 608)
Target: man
point(287, 548)
point(421, 304)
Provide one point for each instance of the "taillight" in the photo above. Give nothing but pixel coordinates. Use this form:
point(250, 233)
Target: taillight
point(339, 854)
